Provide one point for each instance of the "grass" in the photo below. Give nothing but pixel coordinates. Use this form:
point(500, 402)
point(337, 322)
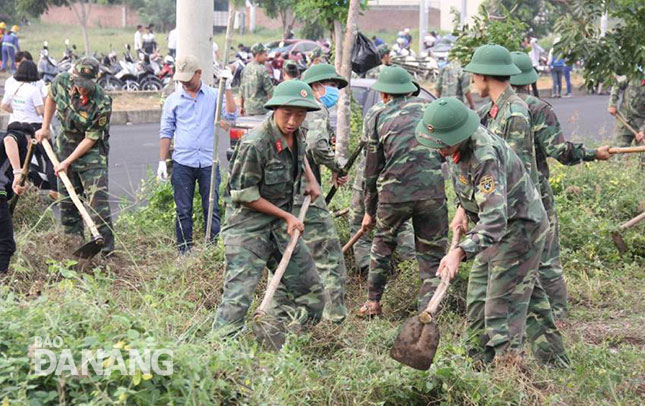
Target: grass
point(148, 298)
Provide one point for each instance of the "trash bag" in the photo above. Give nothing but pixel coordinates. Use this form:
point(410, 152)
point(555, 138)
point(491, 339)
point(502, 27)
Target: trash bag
point(365, 55)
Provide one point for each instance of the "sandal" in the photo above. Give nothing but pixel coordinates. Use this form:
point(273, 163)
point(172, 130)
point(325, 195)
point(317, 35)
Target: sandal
point(370, 309)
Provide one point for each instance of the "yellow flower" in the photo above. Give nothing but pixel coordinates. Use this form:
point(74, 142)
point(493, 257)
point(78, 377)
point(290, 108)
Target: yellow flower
point(147, 377)
point(119, 345)
point(5, 401)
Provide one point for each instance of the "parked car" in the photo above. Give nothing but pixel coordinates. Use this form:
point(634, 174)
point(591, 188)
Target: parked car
point(292, 48)
point(361, 91)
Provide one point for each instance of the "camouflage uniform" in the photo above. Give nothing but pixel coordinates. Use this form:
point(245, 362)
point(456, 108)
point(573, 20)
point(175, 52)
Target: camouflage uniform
point(549, 142)
point(509, 119)
point(255, 87)
point(374, 72)
point(404, 180)
point(362, 247)
point(320, 231)
point(453, 81)
point(507, 242)
point(263, 166)
point(89, 173)
point(632, 108)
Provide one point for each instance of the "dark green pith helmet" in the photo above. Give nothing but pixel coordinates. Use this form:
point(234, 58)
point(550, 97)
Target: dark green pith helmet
point(446, 122)
point(293, 93)
point(323, 72)
point(523, 62)
point(394, 80)
point(492, 60)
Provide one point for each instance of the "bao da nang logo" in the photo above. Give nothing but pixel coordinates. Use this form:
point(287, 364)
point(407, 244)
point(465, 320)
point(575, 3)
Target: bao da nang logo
point(50, 357)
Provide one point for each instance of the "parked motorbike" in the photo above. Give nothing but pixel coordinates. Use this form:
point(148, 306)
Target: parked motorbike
point(47, 66)
point(66, 64)
point(127, 73)
point(147, 75)
point(108, 68)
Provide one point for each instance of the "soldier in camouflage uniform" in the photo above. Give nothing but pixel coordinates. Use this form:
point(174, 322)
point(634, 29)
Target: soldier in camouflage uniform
point(384, 53)
point(549, 142)
point(403, 181)
point(320, 231)
point(496, 193)
point(82, 148)
point(632, 108)
point(362, 247)
point(256, 85)
point(267, 168)
point(454, 82)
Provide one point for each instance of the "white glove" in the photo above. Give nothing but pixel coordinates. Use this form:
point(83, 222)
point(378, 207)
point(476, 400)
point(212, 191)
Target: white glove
point(228, 75)
point(162, 171)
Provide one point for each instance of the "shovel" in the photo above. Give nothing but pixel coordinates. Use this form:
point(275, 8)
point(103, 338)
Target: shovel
point(24, 173)
point(626, 150)
point(622, 119)
point(272, 333)
point(418, 339)
point(618, 239)
point(93, 247)
point(353, 240)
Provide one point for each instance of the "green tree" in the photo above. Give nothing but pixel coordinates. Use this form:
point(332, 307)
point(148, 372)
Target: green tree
point(282, 9)
point(621, 51)
point(506, 30)
point(539, 15)
point(162, 13)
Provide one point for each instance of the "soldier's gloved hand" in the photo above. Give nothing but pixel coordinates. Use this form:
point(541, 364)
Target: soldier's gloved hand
point(602, 153)
point(162, 171)
point(612, 110)
point(293, 224)
point(228, 75)
point(43, 133)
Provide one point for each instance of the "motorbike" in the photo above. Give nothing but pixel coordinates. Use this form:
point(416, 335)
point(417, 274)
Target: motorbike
point(47, 66)
point(167, 70)
point(108, 68)
point(66, 63)
point(127, 73)
point(147, 75)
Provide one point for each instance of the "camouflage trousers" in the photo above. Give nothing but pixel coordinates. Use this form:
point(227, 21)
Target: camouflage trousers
point(362, 248)
point(92, 184)
point(505, 299)
point(623, 137)
point(300, 296)
point(430, 224)
point(322, 242)
point(550, 271)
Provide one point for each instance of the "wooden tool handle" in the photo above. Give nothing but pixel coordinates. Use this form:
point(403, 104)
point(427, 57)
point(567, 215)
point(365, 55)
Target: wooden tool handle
point(433, 304)
point(626, 150)
point(70, 190)
point(633, 221)
point(353, 240)
point(282, 266)
point(625, 123)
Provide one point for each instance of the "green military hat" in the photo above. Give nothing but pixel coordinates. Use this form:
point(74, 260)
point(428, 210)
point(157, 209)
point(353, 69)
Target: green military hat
point(446, 122)
point(383, 50)
point(394, 80)
point(293, 93)
point(523, 62)
point(317, 52)
point(493, 60)
point(322, 72)
point(291, 68)
point(85, 71)
point(258, 48)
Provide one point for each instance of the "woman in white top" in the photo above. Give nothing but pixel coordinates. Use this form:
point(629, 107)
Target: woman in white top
point(22, 97)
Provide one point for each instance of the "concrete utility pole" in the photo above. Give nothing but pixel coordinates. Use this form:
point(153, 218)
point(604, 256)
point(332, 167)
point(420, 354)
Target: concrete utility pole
point(423, 22)
point(195, 33)
point(464, 12)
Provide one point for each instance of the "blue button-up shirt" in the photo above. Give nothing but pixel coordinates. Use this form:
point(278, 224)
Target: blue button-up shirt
point(191, 122)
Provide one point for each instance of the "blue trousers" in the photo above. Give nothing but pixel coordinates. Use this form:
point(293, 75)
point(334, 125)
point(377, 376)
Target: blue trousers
point(183, 184)
point(8, 52)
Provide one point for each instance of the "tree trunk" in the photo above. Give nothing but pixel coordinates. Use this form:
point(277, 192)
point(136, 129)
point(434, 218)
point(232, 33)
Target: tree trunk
point(344, 102)
point(83, 15)
point(288, 19)
point(338, 44)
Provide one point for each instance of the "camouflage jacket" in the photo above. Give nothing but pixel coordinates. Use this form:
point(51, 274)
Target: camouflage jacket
point(91, 121)
point(319, 149)
point(509, 118)
point(397, 168)
point(374, 72)
point(548, 137)
point(262, 166)
point(368, 122)
point(255, 88)
point(633, 104)
point(453, 81)
point(492, 185)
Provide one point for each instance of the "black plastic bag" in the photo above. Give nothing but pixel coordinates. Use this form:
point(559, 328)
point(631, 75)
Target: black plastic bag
point(365, 56)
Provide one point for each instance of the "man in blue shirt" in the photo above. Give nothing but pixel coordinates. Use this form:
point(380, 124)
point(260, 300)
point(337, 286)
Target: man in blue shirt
point(189, 117)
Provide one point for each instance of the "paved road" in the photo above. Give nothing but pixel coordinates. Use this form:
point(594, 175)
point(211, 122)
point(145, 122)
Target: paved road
point(135, 148)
